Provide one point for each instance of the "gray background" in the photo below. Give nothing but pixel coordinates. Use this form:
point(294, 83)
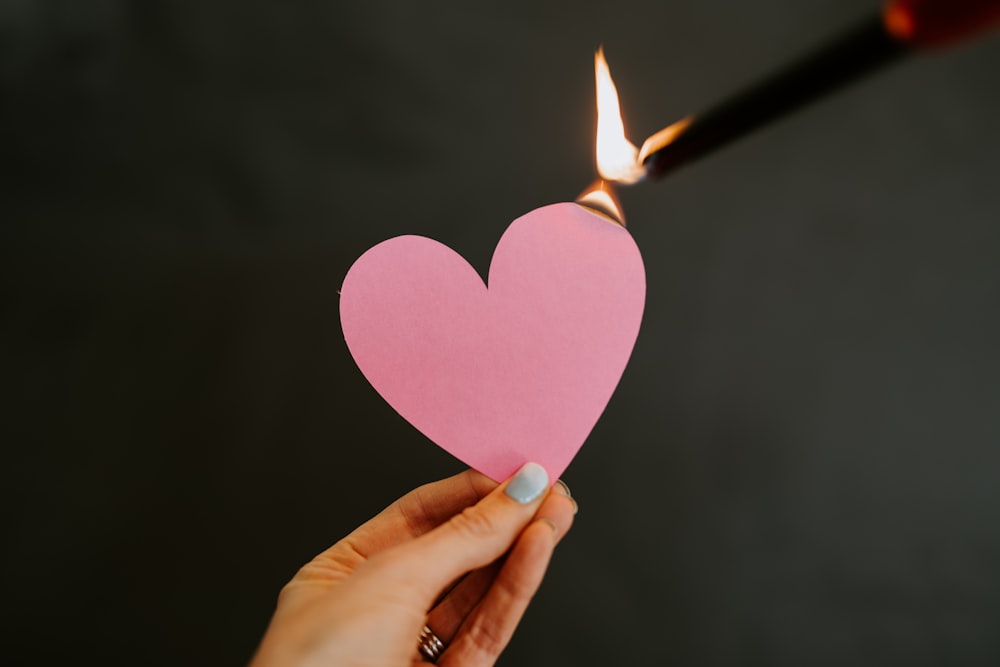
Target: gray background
point(799, 467)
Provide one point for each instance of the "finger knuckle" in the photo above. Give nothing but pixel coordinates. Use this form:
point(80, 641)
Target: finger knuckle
point(472, 522)
point(487, 638)
point(287, 593)
point(283, 594)
point(518, 588)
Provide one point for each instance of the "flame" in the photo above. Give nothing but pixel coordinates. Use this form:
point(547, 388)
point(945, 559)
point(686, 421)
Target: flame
point(617, 157)
point(600, 197)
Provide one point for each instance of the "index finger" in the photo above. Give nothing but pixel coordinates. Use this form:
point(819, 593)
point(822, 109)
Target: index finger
point(418, 512)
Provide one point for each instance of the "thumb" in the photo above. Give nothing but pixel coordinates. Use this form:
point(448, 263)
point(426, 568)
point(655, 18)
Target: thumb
point(475, 537)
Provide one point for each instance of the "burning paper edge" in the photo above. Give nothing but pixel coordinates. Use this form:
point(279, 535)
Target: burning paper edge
point(600, 198)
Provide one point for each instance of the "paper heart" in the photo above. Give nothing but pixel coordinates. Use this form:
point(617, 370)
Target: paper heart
point(515, 372)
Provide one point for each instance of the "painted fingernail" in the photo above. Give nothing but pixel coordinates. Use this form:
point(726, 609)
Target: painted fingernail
point(529, 483)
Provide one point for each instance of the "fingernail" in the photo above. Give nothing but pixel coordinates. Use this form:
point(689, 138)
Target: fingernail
point(551, 524)
point(529, 483)
point(560, 487)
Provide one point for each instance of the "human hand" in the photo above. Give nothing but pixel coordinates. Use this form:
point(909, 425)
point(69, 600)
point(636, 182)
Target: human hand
point(463, 556)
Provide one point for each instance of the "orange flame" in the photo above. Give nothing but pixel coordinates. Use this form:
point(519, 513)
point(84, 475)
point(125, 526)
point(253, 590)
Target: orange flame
point(617, 157)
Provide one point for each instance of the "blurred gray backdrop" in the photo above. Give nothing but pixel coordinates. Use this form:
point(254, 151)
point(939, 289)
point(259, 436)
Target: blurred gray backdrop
point(800, 465)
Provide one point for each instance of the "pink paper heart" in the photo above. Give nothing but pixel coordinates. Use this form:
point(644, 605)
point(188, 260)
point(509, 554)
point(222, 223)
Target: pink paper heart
point(517, 372)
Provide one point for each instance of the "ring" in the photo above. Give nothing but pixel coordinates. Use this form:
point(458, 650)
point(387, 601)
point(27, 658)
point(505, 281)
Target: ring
point(430, 645)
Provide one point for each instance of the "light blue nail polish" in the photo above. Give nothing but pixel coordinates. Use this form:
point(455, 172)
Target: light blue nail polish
point(529, 483)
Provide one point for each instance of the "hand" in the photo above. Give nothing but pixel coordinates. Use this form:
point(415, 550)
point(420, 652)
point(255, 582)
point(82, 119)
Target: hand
point(463, 556)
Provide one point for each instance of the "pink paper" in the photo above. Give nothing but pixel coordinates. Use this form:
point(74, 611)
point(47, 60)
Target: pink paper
point(517, 372)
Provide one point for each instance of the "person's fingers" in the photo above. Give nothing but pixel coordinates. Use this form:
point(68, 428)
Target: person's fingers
point(421, 510)
point(445, 619)
point(475, 537)
point(559, 508)
point(416, 513)
point(491, 624)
